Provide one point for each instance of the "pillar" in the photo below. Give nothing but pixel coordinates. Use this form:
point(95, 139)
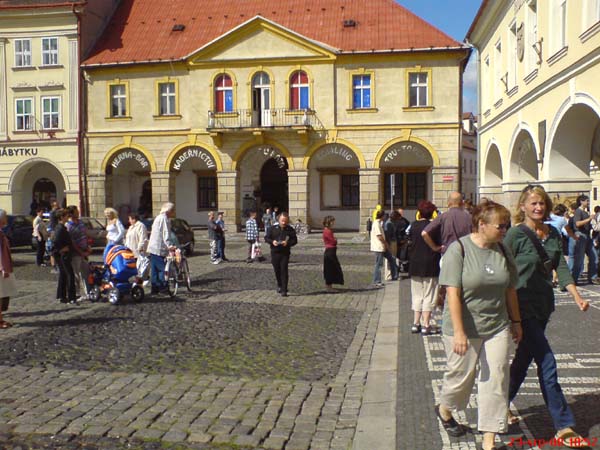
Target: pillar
point(98, 194)
point(444, 179)
point(227, 197)
point(369, 194)
point(161, 190)
point(298, 195)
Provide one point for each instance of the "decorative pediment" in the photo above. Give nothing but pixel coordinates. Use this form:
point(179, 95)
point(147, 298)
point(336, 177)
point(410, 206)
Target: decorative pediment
point(260, 39)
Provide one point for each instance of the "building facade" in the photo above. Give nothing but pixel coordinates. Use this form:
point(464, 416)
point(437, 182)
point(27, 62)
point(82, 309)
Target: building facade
point(539, 98)
point(41, 44)
point(468, 157)
point(247, 107)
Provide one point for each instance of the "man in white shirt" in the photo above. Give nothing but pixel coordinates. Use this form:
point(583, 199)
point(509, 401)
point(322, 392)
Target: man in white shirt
point(380, 246)
point(159, 245)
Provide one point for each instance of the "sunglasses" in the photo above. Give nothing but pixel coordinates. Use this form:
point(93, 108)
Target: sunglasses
point(501, 226)
point(531, 187)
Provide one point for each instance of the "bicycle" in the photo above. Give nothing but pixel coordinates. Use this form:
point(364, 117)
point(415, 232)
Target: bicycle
point(177, 270)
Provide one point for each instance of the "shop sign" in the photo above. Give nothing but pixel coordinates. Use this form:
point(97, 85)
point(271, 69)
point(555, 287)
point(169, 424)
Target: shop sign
point(446, 178)
point(194, 152)
point(270, 152)
point(124, 156)
point(340, 151)
point(414, 151)
point(19, 151)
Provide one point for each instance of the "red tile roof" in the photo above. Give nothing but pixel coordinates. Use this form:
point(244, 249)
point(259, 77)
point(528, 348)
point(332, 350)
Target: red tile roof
point(141, 30)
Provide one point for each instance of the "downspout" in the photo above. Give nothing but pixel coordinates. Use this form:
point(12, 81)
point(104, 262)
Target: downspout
point(479, 161)
point(80, 154)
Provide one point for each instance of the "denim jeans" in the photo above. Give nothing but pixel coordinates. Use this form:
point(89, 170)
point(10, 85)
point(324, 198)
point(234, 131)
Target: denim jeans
point(379, 262)
point(534, 346)
point(157, 266)
point(584, 246)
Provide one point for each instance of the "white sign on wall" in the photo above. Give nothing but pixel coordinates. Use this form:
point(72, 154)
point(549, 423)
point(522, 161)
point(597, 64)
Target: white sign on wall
point(130, 155)
point(270, 152)
point(337, 151)
point(407, 152)
point(194, 152)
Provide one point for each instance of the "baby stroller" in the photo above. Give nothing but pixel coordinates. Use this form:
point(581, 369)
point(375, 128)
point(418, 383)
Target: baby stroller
point(114, 279)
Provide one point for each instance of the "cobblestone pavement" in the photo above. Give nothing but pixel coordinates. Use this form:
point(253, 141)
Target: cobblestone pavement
point(230, 365)
point(574, 337)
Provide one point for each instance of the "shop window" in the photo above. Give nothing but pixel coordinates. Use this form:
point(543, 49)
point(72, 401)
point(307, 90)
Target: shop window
point(340, 190)
point(223, 94)
point(361, 91)
point(167, 99)
point(207, 192)
point(299, 91)
point(118, 100)
point(22, 52)
point(24, 114)
point(350, 191)
point(408, 189)
point(50, 112)
point(49, 51)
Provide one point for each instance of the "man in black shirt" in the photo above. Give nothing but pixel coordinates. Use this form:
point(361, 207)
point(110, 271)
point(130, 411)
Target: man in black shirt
point(584, 245)
point(281, 237)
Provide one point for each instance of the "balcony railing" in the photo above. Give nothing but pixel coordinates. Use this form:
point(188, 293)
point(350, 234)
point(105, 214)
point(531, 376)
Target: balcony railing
point(268, 118)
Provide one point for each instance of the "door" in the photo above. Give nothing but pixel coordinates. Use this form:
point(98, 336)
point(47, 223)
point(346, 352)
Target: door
point(261, 100)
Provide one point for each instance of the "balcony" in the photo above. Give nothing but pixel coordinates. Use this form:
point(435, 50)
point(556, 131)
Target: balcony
point(248, 119)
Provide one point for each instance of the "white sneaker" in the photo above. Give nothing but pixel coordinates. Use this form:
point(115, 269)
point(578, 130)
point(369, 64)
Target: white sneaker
point(82, 298)
point(217, 261)
point(145, 283)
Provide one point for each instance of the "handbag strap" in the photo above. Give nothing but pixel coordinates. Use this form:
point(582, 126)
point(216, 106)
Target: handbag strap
point(536, 242)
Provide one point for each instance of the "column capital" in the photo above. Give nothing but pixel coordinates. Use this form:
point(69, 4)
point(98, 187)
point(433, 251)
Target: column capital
point(369, 170)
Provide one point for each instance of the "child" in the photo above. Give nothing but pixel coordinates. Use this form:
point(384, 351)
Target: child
point(252, 236)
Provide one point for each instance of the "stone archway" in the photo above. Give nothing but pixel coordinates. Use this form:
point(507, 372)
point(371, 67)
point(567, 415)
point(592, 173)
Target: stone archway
point(492, 175)
point(37, 179)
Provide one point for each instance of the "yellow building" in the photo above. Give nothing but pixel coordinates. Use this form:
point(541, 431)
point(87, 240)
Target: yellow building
point(41, 43)
point(539, 96)
point(247, 106)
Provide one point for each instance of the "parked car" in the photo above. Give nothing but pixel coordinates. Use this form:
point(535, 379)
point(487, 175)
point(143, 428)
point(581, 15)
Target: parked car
point(182, 230)
point(19, 230)
point(96, 231)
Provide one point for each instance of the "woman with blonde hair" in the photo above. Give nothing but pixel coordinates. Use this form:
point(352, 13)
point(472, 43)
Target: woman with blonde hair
point(482, 314)
point(537, 249)
point(115, 231)
point(332, 271)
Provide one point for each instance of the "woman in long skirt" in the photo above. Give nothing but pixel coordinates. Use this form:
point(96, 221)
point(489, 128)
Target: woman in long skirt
point(332, 271)
point(8, 287)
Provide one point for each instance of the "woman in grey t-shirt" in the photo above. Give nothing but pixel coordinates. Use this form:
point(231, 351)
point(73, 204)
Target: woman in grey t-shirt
point(481, 315)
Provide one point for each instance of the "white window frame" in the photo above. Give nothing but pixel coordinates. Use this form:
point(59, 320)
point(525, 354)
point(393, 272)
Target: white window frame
point(558, 25)
point(51, 114)
point(24, 54)
point(361, 88)
point(591, 13)
point(30, 115)
point(50, 53)
point(419, 84)
point(120, 98)
point(498, 84)
point(485, 82)
point(511, 71)
point(166, 96)
point(531, 55)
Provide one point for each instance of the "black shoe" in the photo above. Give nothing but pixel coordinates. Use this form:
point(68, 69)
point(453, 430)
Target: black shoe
point(225, 259)
point(452, 427)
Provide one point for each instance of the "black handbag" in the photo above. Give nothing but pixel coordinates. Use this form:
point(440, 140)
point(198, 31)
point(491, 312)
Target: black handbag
point(546, 261)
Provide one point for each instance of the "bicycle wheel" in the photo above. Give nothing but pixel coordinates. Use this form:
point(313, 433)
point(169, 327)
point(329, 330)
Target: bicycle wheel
point(184, 270)
point(171, 278)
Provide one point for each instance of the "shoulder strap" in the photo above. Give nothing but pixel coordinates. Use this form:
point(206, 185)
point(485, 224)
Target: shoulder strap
point(535, 241)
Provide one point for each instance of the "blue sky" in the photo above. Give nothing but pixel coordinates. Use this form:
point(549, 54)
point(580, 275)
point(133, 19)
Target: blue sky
point(454, 18)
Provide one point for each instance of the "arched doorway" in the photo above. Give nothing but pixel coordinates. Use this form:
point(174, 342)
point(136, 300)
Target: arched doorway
point(491, 184)
point(274, 184)
point(523, 159)
point(406, 176)
point(128, 184)
point(39, 180)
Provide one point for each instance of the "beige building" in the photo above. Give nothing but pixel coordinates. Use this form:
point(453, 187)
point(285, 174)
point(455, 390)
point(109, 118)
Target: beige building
point(245, 107)
point(539, 95)
point(41, 44)
point(468, 156)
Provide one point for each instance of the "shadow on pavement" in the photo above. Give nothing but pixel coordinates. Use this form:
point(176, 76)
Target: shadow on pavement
point(71, 322)
point(40, 313)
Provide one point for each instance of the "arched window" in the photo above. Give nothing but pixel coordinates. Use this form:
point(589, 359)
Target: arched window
point(223, 94)
point(299, 90)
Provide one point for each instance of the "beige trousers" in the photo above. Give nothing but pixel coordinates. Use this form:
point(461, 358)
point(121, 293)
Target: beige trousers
point(387, 273)
point(423, 292)
point(492, 386)
point(80, 270)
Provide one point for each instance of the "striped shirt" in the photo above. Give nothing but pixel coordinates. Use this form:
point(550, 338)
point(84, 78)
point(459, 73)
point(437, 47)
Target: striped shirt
point(251, 230)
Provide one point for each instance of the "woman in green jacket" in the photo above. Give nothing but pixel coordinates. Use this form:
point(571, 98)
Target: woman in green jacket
point(537, 248)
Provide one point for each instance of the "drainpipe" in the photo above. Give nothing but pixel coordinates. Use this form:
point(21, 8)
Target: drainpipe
point(80, 154)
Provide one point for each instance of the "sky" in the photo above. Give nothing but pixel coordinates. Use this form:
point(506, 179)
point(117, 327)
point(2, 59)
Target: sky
point(444, 15)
